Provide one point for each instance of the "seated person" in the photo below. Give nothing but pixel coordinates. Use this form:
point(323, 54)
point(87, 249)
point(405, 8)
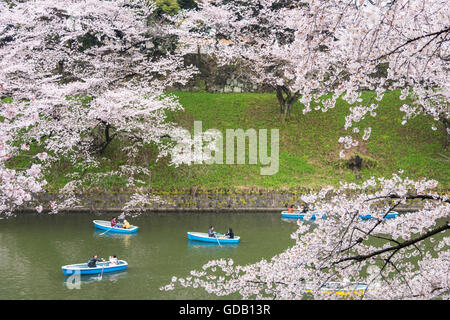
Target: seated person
point(92, 263)
point(230, 233)
point(211, 231)
point(114, 222)
point(291, 209)
point(125, 224)
point(114, 260)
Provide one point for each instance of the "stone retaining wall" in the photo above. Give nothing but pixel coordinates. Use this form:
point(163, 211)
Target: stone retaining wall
point(216, 201)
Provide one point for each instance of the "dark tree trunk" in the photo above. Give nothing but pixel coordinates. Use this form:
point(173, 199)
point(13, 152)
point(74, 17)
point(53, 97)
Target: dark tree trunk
point(446, 123)
point(286, 99)
point(108, 137)
point(60, 67)
point(356, 164)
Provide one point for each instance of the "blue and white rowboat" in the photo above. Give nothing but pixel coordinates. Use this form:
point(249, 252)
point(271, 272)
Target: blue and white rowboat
point(314, 214)
point(390, 215)
point(311, 215)
point(102, 267)
point(219, 239)
point(106, 225)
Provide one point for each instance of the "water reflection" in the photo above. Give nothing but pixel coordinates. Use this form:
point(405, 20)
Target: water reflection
point(156, 254)
point(125, 237)
point(200, 244)
point(294, 221)
point(75, 281)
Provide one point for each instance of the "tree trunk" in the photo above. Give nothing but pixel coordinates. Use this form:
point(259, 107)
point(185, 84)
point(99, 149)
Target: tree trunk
point(108, 137)
point(356, 164)
point(446, 123)
point(60, 67)
point(286, 99)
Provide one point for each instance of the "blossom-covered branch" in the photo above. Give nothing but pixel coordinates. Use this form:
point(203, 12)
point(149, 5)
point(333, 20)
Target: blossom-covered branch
point(402, 258)
point(74, 75)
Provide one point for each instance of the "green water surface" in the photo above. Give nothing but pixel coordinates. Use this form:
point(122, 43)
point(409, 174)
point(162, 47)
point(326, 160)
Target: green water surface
point(34, 247)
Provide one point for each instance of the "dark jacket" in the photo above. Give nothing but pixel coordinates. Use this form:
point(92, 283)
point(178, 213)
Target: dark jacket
point(230, 235)
point(93, 262)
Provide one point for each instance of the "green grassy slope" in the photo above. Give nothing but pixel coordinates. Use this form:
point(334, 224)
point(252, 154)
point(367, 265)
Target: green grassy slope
point(309, 148)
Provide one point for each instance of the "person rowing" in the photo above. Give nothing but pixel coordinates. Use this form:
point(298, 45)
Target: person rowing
point(211, 232)
point(114, 222)
point(291, 209)
point(92, 263)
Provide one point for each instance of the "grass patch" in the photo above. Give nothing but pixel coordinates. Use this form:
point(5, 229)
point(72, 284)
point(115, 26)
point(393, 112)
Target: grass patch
point(309, 148)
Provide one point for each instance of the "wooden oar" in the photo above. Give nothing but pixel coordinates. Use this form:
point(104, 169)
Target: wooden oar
point(217, 239)
point(101, 275)
point(105, 231)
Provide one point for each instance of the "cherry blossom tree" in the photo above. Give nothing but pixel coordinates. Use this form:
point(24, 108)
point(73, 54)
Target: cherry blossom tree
point(338, 47)
point(402, 258)
point(319, 51)
point(74, 75)
point(411, 38)
point(272, 39)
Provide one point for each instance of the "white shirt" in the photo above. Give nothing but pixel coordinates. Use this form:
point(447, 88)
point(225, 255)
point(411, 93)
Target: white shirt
point(113, 260)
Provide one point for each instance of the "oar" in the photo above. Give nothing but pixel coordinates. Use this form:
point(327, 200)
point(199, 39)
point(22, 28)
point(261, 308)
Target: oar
point(217, 239)
point(105, 231)
point(101, 275)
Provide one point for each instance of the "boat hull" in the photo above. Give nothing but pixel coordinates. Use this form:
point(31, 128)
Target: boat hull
point(302, 216)
point(102, 267)
point(198, 236)
point(343, 289)
point(390, 215)
point(106, 225)
point(314, 215)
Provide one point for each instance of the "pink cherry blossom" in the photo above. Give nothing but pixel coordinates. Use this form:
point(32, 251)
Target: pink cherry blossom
point(73, 67)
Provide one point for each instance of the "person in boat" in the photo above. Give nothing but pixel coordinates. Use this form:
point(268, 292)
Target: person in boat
point(125, 224)
point(303, 209)
point(92, 263)
point(114, 260)
point(230, 233)
point(114, 222)
point(291, 209)
point(120, 221)
point(211, 232)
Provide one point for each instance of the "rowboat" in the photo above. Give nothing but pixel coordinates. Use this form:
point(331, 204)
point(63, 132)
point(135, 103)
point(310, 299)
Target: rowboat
point(106, 225)
point(202, 244)
point(343, 289)
point(102, 267)
point(390, 215)
point(312, 215)
point(218, 239)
